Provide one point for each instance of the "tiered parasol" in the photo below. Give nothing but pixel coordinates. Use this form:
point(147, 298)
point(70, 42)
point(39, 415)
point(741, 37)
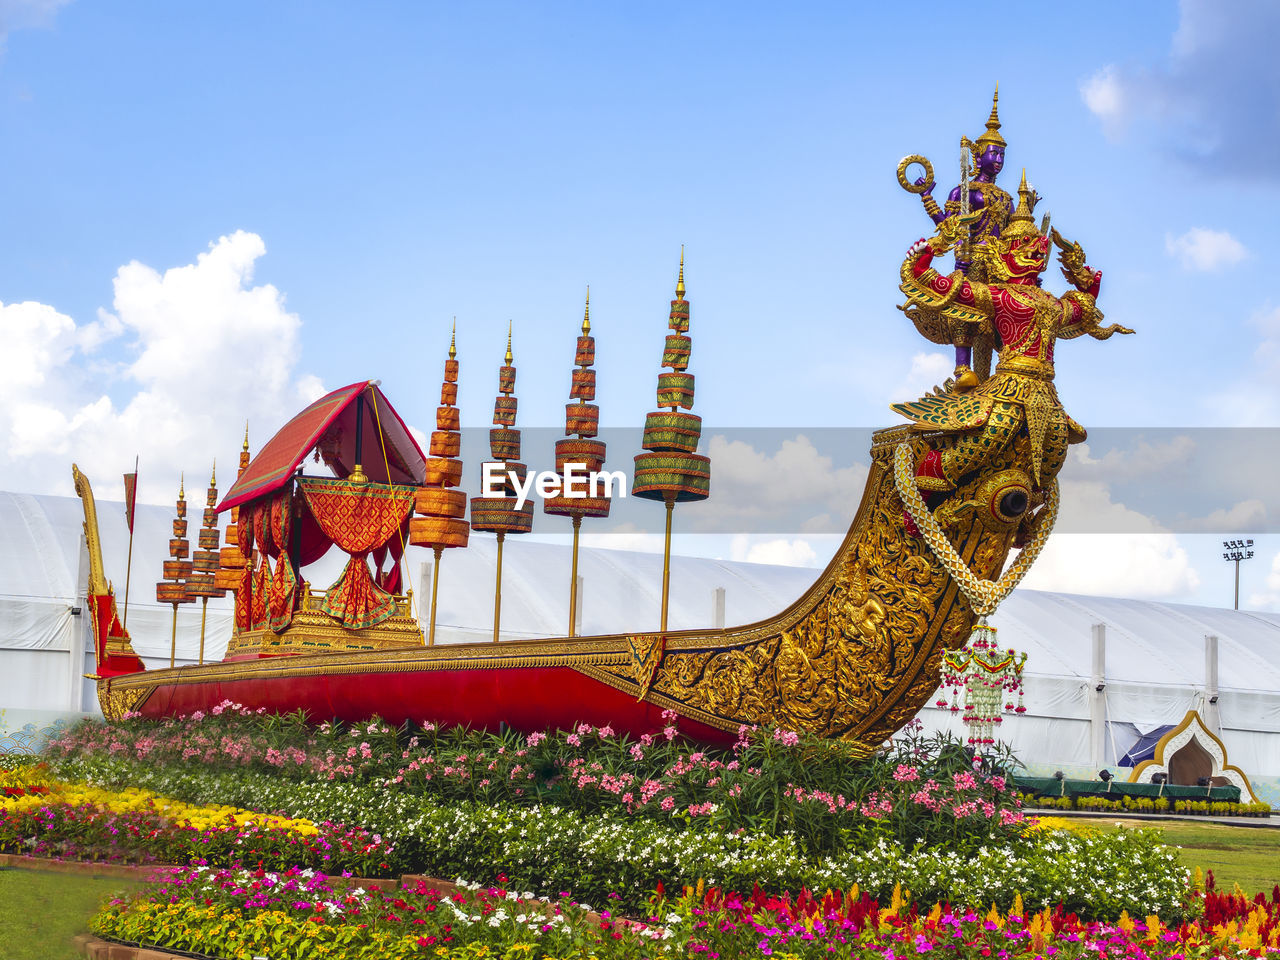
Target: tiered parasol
point(584, 453)
point(173, 588)
point(440, 505)
point(231, 559)
point(499, 514)
point(206, 561)
point(672, 471)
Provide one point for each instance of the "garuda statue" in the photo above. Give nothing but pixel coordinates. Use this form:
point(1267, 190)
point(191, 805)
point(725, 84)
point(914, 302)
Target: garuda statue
point(1024, 321)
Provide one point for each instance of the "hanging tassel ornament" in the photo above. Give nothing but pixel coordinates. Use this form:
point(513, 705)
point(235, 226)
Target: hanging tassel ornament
point(985, 673)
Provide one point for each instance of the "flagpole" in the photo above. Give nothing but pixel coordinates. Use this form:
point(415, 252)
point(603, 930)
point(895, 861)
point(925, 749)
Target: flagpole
point(128, 570)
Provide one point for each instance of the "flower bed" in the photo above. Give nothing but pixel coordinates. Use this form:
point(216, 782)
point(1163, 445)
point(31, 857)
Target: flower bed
point(773, 781)
point(549, 849)
point(590, 812)
point(241, 915)
point(132, 825)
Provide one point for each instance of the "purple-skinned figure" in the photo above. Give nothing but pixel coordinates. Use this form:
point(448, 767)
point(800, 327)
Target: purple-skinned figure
point(993, 201)
point(993, 206)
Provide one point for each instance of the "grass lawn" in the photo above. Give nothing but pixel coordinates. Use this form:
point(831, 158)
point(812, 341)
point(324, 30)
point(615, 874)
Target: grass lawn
point(1249, 856)
point(42, 911)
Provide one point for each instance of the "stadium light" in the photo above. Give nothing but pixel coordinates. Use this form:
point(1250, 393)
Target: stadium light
point(1235, 551)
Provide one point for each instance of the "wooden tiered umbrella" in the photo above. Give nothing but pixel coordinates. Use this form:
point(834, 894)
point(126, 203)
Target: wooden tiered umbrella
point(583, 452)
point(173, 588)
point(498, 514)
point(231, 559)
point(205, 561)
point(440, 506)
point(671, 470)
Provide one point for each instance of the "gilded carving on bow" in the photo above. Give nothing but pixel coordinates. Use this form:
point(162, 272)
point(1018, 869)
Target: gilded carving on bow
point(862, 655)
point(116, 702)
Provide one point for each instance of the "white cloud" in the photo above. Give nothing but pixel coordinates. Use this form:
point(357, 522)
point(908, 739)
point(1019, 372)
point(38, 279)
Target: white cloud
point(1143, 566)
point(1205, 250)
point(780, 552)
point(1104, 95)
point(1136, 556)
point(1242, 517)
point(1142, 459)
point(203, 348)
point(1268, 599)
point(1212, 101)
point(754, 489)
point(1252, 398)
point(928, 370)
point(20, 14)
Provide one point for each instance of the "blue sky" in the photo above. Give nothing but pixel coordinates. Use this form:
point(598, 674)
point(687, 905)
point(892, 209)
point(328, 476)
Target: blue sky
point(377, 169)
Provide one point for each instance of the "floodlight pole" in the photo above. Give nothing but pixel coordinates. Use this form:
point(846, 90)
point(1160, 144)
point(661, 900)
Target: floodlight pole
point(1237, 550)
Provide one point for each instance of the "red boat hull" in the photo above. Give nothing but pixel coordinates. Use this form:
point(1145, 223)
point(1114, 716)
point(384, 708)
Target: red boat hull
point(522, 698)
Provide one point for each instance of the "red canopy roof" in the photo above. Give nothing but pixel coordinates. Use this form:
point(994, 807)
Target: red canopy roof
point(330, 424)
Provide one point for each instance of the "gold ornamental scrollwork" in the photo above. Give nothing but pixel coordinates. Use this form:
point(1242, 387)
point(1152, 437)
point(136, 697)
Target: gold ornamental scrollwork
point(117, 701)
point(858, 655)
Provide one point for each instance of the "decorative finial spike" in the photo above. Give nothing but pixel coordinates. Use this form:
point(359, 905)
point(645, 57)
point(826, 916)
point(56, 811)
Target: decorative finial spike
point(680, 280)
point(991, 136)
point(509, 356)
point(453, 341)
point(213, 477)
point(586, 314)
point(246, 437)
point(182, 486)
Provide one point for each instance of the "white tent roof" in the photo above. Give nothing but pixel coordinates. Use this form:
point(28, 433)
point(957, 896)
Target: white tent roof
point(1150, 643)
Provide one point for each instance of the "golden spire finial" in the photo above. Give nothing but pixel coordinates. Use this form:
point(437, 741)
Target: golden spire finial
point(991, 136)
point(586, 314)
point(213, 477)
point(453, 341)
point(509, 357)
point(245, 448)
point(182, 486)
point(680, 281)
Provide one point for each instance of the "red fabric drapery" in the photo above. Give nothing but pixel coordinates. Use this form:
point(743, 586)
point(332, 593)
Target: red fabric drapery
point(262, 575)
point(244, 595)
point(284, 583)
point(389, 580)
point(359, 518)
point(312, 543)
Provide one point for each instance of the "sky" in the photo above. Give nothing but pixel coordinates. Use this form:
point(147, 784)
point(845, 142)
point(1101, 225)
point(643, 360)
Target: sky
point(215, 213)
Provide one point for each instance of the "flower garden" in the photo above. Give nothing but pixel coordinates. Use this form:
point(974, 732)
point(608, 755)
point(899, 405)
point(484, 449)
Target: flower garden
point(582, 843)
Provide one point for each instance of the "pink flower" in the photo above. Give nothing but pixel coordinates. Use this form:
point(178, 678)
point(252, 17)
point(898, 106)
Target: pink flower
point(904, 773)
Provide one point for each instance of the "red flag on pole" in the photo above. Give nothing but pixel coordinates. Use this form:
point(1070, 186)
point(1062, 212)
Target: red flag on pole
point(130, 494)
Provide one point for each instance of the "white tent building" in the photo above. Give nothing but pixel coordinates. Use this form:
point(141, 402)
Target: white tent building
point(1100, 672)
